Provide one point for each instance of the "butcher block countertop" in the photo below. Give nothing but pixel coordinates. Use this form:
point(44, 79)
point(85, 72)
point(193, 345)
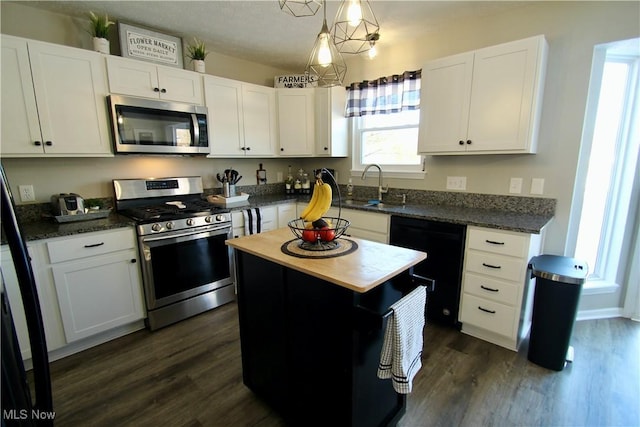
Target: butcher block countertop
point(370, 265)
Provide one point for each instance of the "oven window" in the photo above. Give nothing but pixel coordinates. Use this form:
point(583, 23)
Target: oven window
point(183, 266)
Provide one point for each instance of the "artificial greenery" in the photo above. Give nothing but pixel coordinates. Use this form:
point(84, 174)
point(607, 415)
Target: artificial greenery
point(197, 50)
point(100, 25)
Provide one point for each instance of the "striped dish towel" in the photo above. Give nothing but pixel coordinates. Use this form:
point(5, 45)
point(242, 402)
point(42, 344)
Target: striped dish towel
point(252, 221)
point(402, 346)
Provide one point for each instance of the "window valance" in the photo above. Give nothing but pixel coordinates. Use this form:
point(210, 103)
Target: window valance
point(385, 95)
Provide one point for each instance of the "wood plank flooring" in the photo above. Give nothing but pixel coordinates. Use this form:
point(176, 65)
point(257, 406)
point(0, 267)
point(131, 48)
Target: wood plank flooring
point(189, 374)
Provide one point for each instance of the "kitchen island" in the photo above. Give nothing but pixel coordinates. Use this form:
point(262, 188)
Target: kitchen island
point(311, 329)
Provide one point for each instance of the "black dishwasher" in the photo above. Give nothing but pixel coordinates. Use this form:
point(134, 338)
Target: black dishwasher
point(444, 244)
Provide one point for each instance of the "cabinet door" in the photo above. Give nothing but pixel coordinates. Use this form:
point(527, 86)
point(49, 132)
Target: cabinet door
point(445, 95)
point(223, 98)
point(330, 122)
point(70, 86)
point(98, 294)
point(296, 121)
point(286, 213)
point(135, 78)
point(180, 85)
point(259, 117)
point(20, 125)
point(503, 101)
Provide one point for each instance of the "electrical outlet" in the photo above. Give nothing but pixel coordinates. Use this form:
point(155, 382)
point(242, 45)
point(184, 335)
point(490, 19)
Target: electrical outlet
point(537, 186)
point(26, 193)
point(456, 183)
point(515, 186)
point(279, 177)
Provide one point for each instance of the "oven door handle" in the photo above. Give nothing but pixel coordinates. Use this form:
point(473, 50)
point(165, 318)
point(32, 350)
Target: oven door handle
point(221, 230)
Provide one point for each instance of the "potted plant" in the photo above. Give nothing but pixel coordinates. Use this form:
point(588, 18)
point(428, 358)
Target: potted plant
point(197, 52)
point(100, 32)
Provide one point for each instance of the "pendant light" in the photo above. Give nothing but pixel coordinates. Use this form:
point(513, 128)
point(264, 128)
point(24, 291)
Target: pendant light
point(300, 8)
point(325, 60)
point(355, 27)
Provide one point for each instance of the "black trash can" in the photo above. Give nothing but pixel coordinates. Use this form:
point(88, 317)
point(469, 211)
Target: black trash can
point(559, 282)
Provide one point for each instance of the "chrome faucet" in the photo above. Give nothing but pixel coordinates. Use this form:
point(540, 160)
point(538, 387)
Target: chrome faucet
point(380, 189)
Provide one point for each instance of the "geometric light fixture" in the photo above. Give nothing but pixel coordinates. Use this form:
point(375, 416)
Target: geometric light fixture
point(325, 61)
point(355, 27)
point(300, 8)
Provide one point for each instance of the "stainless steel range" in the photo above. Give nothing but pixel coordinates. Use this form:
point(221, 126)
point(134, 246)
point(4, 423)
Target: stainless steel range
point(186, 267)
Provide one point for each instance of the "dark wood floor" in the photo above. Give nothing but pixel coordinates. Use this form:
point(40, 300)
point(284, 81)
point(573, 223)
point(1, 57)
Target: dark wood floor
point(189, 374)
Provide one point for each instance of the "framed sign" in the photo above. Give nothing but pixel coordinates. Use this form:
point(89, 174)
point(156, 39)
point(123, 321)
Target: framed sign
point(147, 45)
point(295, 81)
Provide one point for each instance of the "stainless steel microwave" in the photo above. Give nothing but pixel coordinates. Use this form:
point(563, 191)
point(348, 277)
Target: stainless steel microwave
point(147, 126)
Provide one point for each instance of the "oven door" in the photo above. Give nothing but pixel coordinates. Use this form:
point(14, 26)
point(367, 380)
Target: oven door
point(182, 264)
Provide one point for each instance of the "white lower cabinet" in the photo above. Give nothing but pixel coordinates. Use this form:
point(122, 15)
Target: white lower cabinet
point(272, 217)
point(97, 282)
point(363, 225)
point(496, 299)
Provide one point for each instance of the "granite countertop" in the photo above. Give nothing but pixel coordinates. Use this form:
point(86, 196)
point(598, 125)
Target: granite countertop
point(370, 265)
point(490, 218)
point(47, 228)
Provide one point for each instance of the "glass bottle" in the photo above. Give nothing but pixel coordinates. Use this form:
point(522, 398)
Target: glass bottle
point(350, 190)
point(289, 183)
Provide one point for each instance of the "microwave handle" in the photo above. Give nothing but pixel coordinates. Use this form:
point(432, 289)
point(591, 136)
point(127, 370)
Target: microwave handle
point(196, 129)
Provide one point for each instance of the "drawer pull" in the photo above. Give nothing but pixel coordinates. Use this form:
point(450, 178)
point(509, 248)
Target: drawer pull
point(493, 242)
point(489, 289)
point(487, 311)
point(94, 245)
point(491, 266)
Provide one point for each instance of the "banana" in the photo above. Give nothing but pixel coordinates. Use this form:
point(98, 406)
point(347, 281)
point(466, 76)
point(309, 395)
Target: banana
point(313, 201)
point(323, 203)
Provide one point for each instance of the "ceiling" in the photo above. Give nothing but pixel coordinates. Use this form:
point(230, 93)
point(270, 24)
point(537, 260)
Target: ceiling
point(259, 31)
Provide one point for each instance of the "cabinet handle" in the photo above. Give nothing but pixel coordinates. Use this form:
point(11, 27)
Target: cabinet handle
point(468, 142)
point(486, 311)
point(133, 260)
point(326, 148)
point(491, 266)
point(163, 90)
point(48, 143)
point(156, 89)
point(282, 149)
point(461, 142)
point(94, 245)
point(248, 148)
point(38, 143)
point(493, 242)
point(489, 289)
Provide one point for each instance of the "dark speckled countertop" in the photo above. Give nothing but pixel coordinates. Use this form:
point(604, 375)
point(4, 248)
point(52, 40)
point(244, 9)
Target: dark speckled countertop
point(522, 214)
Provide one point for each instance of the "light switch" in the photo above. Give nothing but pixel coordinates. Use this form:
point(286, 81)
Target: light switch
point(515, 186)
point(537, 186)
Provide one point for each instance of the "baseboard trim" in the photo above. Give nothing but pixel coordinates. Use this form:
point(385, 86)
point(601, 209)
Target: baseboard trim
point(602, 313)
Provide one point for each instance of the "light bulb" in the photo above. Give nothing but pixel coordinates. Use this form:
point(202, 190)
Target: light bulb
point(354, 13)
point(324, 53)
point(373, 52)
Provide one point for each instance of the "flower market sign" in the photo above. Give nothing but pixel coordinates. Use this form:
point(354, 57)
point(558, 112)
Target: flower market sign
point(140, 43)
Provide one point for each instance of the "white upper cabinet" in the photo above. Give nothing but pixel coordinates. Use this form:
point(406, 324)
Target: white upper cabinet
point(330, 123)
point(242, 118)
point(139, 78)
point(484, 102)
point(296, 121)
point(53, 101)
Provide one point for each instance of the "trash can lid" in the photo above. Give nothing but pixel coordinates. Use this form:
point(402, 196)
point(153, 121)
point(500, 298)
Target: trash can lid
point(559, 269)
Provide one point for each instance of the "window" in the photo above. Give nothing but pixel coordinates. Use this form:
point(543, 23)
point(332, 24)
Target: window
point(390, 140)
point(605, 207)
point(385, 118)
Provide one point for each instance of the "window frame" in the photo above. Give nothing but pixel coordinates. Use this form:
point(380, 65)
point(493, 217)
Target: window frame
point(391, 171)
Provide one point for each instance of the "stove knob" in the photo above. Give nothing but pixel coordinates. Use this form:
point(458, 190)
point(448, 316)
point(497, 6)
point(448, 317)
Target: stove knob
point(190, 222)
point(208, 219)
point(156, 227)
point(219, 217)
point(169, 225)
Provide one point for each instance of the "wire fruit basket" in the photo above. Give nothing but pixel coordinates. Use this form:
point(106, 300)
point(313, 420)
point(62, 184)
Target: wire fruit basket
point(321, 238)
